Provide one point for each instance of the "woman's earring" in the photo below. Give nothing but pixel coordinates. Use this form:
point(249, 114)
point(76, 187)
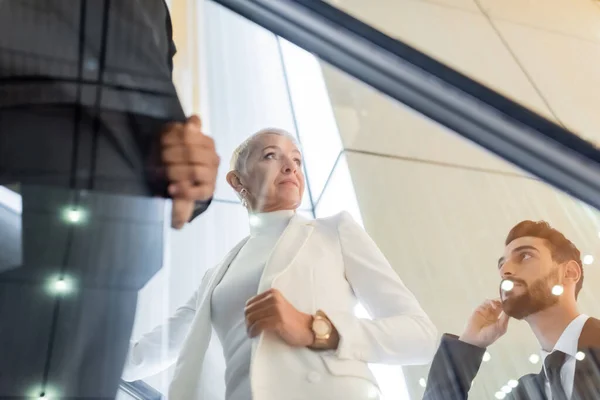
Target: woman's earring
point(243, 193)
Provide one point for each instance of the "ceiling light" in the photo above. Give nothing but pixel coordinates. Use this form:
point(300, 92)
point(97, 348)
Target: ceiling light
point(534, 358)
point(557, 290)
point(60, 286)
point(513, 383)
point(422, 382)
point(580, 355)
point(487, 357)
point(507, 285)
point(500, 395)
point(73, 215)
point(254, 220)
point(506, 389)
point(588, 259)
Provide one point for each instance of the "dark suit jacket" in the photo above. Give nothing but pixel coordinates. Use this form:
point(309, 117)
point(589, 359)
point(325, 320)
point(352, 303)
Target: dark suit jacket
point(87, 90)
point(69, 50)
point(456, 364)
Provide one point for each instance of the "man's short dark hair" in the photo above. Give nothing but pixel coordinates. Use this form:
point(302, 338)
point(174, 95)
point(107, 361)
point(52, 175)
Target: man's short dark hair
point(561, 248)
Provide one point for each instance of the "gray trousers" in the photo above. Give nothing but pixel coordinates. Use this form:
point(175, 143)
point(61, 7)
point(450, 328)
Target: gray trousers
point(73, 260)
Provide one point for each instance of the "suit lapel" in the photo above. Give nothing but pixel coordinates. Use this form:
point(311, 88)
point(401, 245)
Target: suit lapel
point(287, 248)
point(531, 387)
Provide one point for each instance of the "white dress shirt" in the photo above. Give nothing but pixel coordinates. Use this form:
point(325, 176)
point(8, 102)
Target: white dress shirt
point(567, 343)
point(239, 284)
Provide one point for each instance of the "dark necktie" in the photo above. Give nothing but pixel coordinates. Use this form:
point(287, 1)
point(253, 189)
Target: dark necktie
point(554, 363)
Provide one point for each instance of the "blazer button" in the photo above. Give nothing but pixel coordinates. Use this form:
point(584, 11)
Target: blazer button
point(314, 377)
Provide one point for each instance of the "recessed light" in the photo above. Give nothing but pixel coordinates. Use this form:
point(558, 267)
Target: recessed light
point(500, 395)
point(557, 290)
point(580, 355)
point(507, 285)
point(534, 358)
point(513, 383)
point(588, 259)
point(506, 389)
point(60, 286)
point(73, 215)
point(487, 357)
point(422, 382)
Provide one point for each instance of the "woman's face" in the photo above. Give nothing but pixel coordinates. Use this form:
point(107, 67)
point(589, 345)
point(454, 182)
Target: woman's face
point(273, 176)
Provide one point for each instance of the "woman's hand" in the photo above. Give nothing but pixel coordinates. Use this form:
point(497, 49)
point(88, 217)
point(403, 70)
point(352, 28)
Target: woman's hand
point(271, 312)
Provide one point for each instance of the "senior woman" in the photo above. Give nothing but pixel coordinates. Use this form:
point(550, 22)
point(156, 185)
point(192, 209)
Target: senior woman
point(282, 301)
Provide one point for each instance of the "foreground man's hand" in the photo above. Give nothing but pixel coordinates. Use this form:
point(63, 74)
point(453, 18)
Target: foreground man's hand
point(191, 164)
point(271, 312)
point(487, 324)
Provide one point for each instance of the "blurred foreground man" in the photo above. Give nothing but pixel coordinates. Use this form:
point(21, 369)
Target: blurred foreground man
point(542, 275)
point(92, 139)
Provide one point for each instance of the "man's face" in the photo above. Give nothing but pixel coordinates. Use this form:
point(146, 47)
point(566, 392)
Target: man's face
point(528, 263)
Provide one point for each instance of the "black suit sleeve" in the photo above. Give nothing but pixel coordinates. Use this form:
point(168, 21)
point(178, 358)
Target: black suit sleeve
point(454, 367)
point(199, 208)
point(172, 47)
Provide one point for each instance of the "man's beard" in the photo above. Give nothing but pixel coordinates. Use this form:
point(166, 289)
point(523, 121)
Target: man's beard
point(537, 297)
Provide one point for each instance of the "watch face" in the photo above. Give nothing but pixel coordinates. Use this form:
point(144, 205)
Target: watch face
point(321, 327)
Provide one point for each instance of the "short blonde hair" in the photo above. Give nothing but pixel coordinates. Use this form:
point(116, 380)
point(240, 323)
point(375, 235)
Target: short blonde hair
point(240, 156)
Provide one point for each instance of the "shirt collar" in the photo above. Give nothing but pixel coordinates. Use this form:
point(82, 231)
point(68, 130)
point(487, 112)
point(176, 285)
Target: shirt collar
point(567, 342)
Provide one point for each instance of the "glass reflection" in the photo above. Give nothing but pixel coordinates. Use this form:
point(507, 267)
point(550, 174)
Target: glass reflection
point(438, 209)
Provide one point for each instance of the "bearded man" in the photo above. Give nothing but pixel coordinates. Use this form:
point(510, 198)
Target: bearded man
point(541, 276)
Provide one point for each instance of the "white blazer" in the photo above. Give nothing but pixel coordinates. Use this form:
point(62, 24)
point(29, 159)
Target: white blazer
point(328, 264)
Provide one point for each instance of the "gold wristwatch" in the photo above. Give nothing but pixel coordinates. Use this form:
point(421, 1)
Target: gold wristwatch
point(322, 329)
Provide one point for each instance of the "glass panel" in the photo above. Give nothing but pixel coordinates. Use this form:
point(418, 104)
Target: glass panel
point(396, 237)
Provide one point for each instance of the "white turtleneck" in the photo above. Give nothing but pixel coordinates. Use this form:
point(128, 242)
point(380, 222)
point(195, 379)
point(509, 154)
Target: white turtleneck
point(229, 298)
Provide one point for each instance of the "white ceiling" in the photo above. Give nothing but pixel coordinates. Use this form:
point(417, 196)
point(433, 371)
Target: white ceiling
point(542, 53)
